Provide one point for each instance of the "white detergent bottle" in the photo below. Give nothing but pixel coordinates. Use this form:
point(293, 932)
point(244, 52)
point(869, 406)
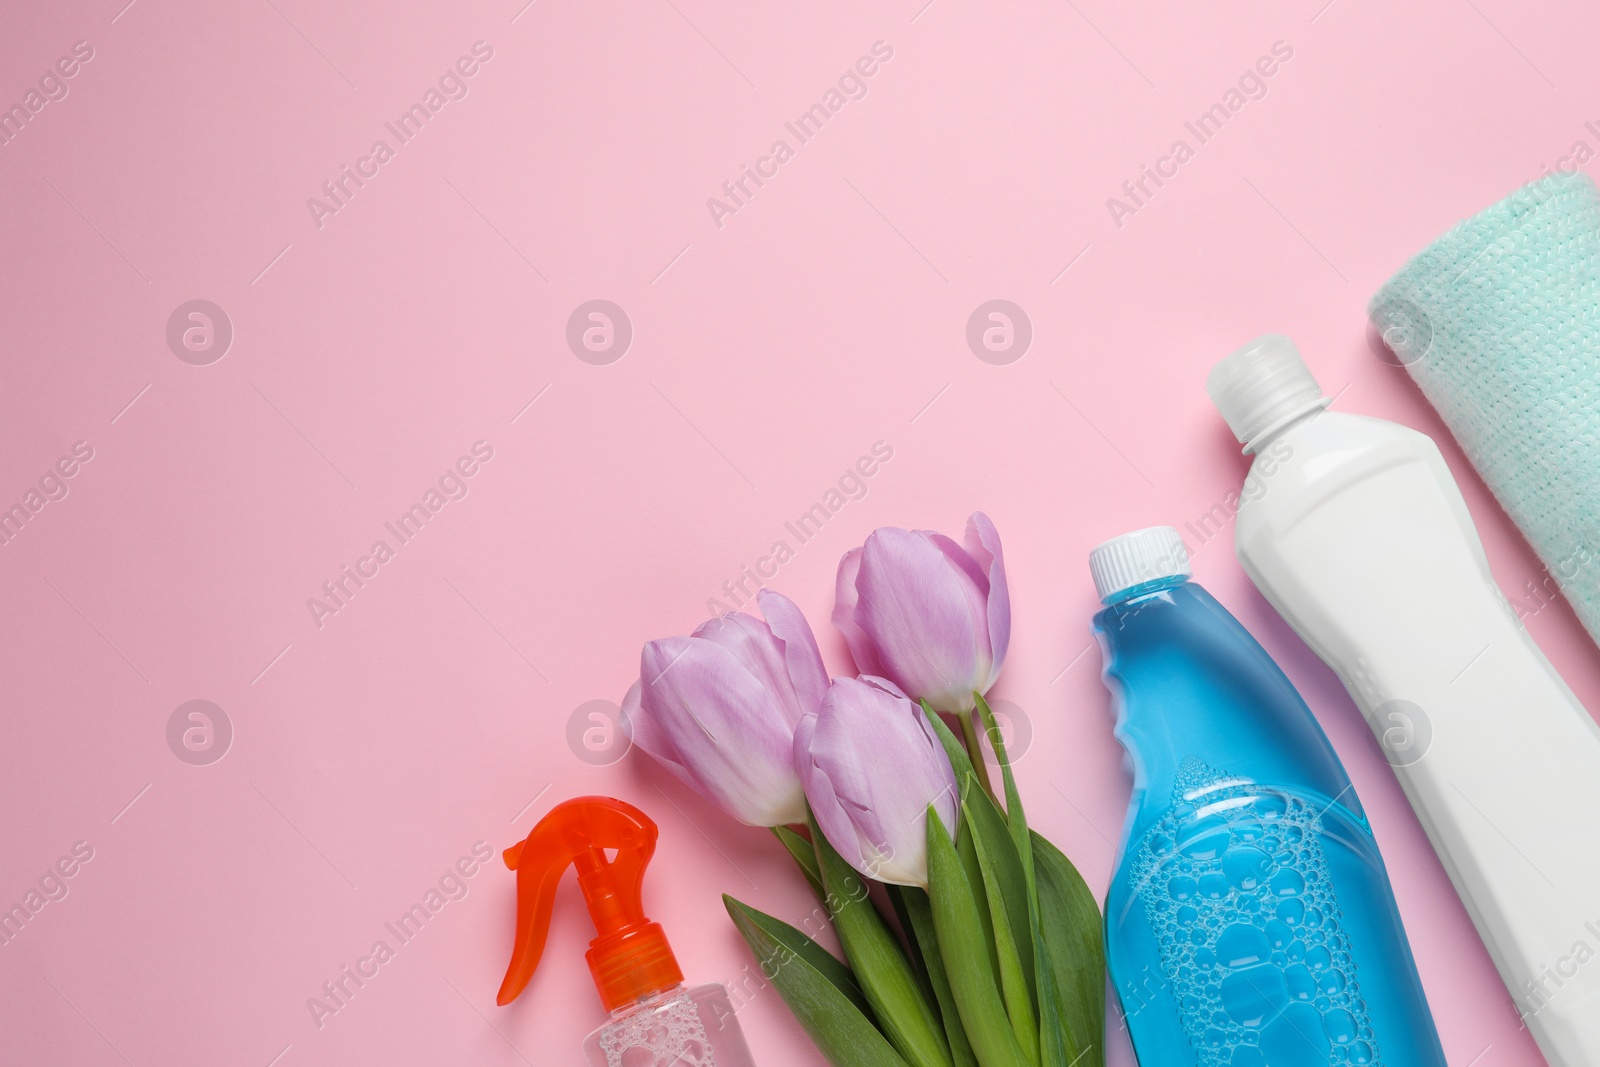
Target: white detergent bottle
point(1356, 532)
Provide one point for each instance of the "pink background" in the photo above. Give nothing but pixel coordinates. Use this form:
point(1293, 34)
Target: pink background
point(827, 313)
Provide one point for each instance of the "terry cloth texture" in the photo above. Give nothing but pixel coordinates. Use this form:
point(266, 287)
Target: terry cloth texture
point(1498, 321)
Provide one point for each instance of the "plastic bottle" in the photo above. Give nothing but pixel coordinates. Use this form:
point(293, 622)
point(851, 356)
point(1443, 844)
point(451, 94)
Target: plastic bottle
point(655, 1019)
point(1357, 533)
point(1250, 922)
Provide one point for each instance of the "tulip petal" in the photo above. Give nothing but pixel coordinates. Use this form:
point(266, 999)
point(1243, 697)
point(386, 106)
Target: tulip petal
point(919, 610)
point(846, 602)
point(962, 560)
point(751, 642)
point(646, 726)
point(826, 808)
point(871, 768)
point(881, 683)
point(976, 586)
point(644, 731)
point(800, 652)
point(729, 734)
point(983, 542)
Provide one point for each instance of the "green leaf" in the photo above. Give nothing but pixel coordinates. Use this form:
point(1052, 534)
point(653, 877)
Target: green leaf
point(1052, 1032)
point(1016, 819)
point(1009, 915)
point(804, 855)
point(1070, 937)
point(961, 925)
point(816, 988)
point(919, 963)
point(916, 914)
point(796, 941)
point(966, 781)
point(907, 1018)
point(967, 853)
point(959, 760)
point(1004, 882)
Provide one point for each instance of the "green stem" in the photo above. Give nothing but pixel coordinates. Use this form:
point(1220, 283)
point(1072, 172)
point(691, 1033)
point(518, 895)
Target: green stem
point(805, 857)
point(980, 766)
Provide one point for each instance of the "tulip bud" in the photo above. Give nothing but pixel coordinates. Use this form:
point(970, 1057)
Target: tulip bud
point(932, 616)
point(871, 765)
point(719, 708)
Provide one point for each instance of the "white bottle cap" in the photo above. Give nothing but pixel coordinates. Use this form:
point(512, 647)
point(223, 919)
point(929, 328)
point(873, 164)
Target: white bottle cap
point(1263, 387)
point(1136, 558)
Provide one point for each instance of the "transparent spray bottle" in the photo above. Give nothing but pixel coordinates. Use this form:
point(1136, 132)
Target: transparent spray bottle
point(655, 1018)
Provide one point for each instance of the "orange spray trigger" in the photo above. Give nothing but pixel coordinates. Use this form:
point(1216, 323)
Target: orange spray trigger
point(629, 957)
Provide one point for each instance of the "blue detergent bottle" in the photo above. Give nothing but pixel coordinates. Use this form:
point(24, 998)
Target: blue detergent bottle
point(1250, 921)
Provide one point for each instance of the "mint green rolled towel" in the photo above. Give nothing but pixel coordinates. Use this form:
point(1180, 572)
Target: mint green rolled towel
point(1498, 321)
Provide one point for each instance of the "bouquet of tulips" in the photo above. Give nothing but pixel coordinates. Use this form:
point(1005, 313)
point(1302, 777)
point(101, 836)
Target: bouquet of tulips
point(986, 949)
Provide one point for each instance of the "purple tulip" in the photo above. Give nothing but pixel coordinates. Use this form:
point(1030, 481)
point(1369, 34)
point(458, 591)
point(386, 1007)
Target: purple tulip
point(719, 708)
point(932, 616)
point(871, 765)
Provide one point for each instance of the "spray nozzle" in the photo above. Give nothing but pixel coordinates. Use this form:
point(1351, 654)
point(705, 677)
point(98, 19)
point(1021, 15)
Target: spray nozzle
point(629, 958)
